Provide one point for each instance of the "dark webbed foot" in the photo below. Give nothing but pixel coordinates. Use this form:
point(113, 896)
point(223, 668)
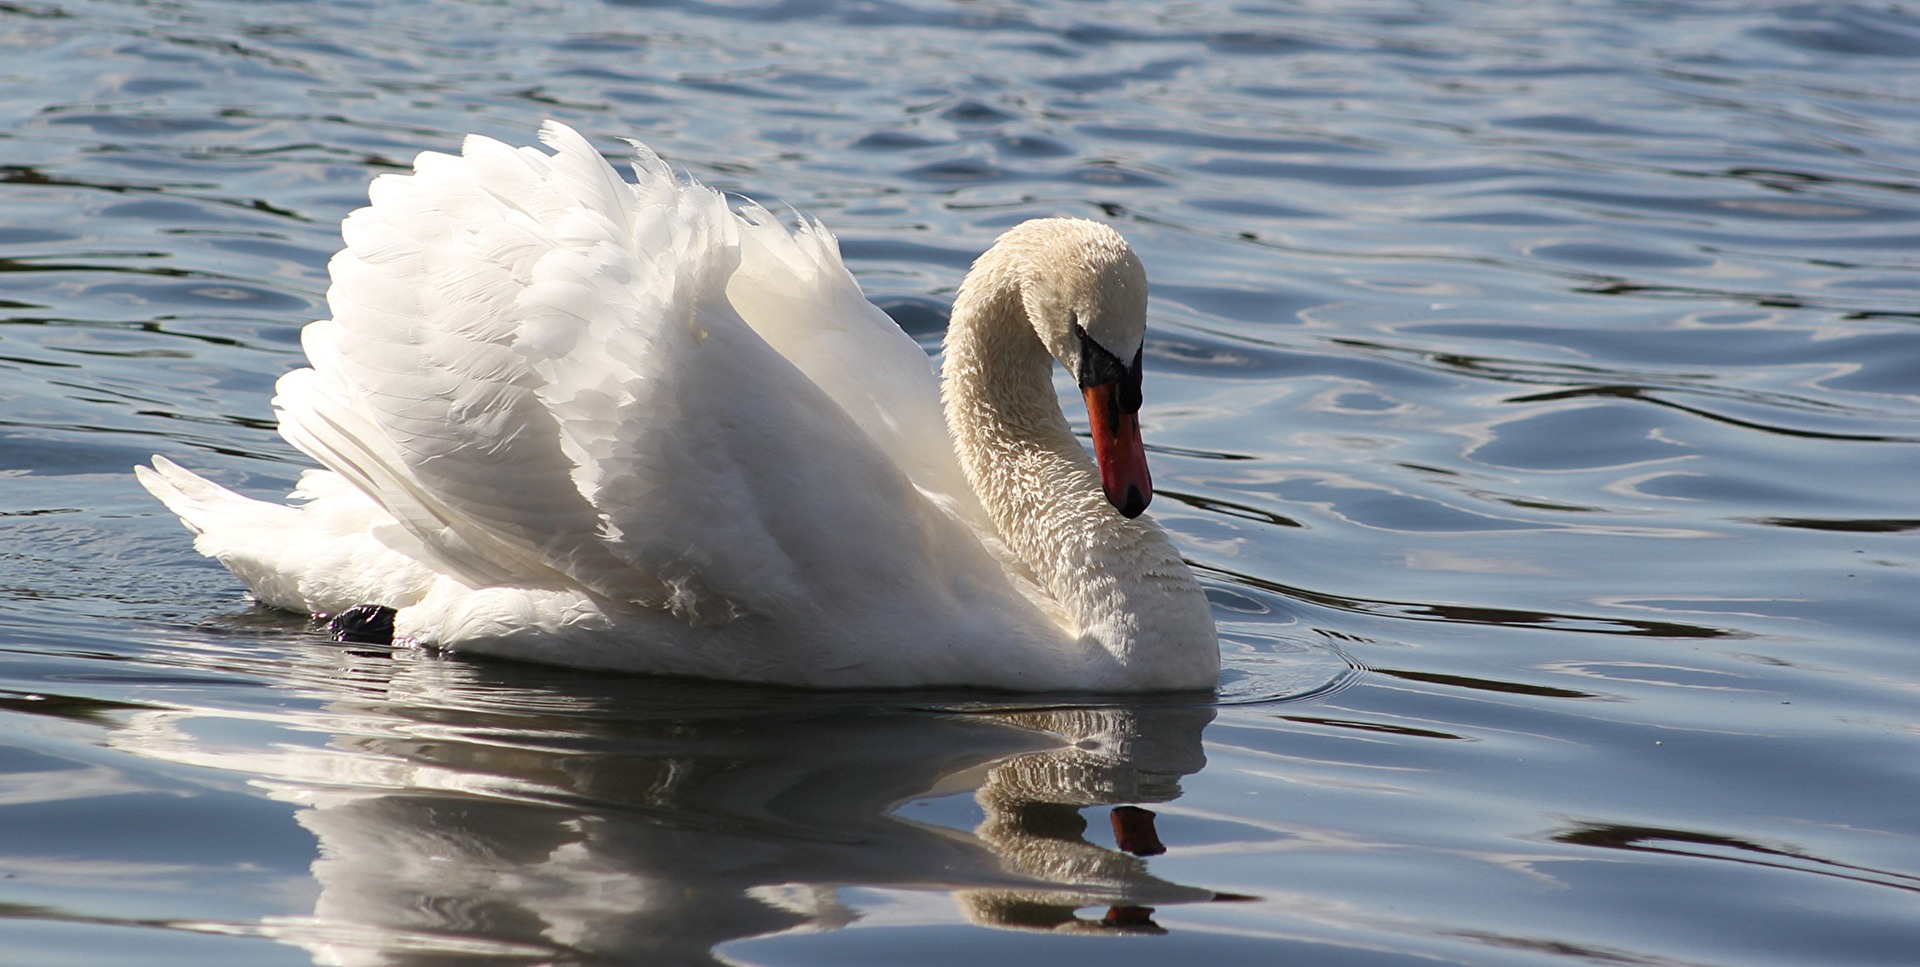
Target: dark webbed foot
point(364, 624)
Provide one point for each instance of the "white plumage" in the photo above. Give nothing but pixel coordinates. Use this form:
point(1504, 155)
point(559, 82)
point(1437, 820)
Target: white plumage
point(570, 419)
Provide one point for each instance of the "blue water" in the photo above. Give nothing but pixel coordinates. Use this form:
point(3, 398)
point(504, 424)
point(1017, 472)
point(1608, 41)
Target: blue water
point(1537, 386)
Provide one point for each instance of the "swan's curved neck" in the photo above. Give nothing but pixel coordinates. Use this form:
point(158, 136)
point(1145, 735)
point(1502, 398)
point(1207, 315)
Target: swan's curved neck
point(1035, 480)
point(1121, 582)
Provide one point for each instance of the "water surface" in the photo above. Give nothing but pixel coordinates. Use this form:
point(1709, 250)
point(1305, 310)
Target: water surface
point(1533, 385)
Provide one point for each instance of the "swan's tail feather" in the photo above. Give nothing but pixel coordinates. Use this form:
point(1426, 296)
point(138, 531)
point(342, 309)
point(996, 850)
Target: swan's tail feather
point(323, 556)
point(204, 506)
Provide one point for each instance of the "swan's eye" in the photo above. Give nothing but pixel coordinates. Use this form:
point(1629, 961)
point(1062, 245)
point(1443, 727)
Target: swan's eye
point(1098, 367)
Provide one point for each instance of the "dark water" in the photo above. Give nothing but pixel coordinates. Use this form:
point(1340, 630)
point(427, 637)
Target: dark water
point(1537, 385)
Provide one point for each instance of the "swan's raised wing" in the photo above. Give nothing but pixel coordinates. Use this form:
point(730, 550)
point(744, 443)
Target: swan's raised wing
point(539, 370)
point(795, 291)
point(421, 391)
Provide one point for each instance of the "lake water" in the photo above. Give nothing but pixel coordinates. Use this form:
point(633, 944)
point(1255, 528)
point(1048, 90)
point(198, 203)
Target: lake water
point(1537, 387)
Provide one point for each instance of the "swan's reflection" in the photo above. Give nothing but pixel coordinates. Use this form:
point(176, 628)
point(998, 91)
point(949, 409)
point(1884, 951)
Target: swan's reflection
point(513, 814)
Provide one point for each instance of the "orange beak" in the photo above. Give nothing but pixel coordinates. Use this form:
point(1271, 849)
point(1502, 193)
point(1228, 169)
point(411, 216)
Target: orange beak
point(1117, 449)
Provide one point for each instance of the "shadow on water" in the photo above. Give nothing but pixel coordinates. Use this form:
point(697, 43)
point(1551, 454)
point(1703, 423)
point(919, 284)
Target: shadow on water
point(522, 814)
point(1704, 845)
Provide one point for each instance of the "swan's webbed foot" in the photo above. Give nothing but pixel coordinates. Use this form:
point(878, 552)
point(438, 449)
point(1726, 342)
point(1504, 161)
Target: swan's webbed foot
point(363, 624)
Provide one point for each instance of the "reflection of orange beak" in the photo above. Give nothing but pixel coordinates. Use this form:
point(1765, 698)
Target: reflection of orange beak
point(1133, 831)
point(1118, 451)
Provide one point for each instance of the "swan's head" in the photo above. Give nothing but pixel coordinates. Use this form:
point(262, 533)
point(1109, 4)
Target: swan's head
point(1085, 294)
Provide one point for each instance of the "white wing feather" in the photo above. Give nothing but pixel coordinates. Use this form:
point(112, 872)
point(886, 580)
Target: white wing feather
point(794, 290)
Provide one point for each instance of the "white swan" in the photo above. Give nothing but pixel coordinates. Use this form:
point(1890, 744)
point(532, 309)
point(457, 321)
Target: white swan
point(575, 420)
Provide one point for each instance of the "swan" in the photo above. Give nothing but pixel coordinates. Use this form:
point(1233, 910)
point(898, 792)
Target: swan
point(572, 419)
